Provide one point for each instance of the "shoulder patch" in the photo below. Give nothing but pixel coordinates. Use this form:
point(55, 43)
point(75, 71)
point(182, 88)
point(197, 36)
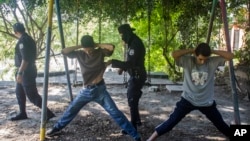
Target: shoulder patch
point(131, 52)
point(21, 46)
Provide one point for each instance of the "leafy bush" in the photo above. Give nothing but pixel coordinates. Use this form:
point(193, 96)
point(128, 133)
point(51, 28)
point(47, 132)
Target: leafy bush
point(243, 55)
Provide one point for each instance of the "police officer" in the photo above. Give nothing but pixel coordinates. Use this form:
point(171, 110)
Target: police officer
point(134, 65)
point(25, 56)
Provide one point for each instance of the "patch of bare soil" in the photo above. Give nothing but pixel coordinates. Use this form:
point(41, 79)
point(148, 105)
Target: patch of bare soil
point(94, 124)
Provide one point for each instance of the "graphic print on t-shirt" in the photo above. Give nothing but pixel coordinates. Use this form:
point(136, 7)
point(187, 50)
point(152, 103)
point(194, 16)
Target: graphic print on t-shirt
point(199, 77)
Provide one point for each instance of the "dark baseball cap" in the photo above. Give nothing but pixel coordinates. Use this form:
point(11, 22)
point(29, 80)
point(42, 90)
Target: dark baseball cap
point(87, 41)
point(124, 28)
point(18, 27)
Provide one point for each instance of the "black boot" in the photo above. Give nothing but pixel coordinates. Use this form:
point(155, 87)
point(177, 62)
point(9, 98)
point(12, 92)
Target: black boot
point(50, 115)
point(138, 123)
point(20, 116)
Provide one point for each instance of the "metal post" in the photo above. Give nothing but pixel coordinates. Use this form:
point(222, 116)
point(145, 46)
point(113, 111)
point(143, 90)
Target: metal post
point(46, 71)
point(211, 21)
point(150, 5)
point(77, 37)
point(231, 67)
point(63, 46)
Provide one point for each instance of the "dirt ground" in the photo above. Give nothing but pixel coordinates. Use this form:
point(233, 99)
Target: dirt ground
point(94, 124)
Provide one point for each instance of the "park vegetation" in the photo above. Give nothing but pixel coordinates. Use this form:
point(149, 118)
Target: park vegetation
point(163, 25)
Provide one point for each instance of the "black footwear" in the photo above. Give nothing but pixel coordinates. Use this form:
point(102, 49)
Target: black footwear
point(138, 123)
point(138, 139)
point(53, 132)
point(50, 116)
point(19, 117)
point(124, 132)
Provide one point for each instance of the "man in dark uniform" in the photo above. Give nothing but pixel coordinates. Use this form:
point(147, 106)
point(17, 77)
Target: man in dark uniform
point(25, 56)
point(134, 65)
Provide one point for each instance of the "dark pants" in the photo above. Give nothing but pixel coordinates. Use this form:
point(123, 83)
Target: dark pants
point(28, 88)
point(134, 94)
point(183, 107)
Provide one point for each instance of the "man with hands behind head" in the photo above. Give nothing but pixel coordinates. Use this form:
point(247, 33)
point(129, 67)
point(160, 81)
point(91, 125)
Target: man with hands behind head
point(91, 60)
point(198, 87)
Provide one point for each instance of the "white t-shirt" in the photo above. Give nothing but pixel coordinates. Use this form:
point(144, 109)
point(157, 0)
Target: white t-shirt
point(198, 85)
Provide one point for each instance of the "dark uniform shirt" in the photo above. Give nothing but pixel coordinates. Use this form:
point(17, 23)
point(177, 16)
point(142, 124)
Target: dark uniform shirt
point(25, 49)
point(135, 58)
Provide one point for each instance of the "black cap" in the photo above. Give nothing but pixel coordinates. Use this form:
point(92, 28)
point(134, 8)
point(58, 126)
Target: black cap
point(87, 41)
point(18, 27)
point(125, 28)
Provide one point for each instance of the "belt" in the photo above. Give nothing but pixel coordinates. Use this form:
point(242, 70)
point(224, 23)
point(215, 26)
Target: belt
point(95, 85)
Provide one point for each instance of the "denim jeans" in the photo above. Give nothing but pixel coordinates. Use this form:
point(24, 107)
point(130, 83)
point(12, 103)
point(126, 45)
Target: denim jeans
point(100, 95)
point(183, 107)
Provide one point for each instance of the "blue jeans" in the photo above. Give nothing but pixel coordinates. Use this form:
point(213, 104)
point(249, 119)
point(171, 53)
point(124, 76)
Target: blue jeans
point(183, 107)
point(100, 95)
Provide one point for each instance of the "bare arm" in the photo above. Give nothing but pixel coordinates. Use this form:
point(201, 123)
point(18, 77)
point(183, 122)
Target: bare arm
point(70, 49)
point(225, 54)
point(107, 46)
point(178, 53)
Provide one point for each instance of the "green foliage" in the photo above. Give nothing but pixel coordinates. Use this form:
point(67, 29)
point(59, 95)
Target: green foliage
point(154, 61)
point(34, 21)
point(174, 24)
point(109, 34)
point(241, 19)
point(243, 55)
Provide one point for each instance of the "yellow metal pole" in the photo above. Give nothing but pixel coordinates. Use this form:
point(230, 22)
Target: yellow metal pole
point(46, 71)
